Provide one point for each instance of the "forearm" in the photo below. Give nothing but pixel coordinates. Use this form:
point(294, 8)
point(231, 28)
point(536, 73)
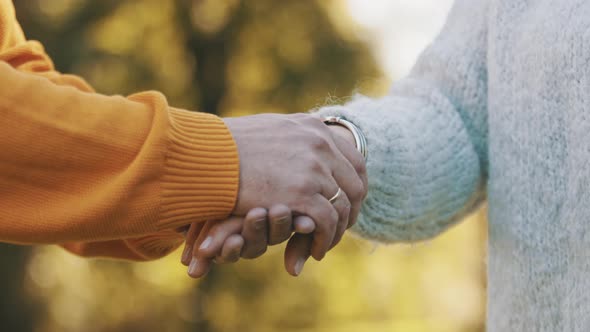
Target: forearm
point(147, 183)
point(427, 139)
point(85, 167)
point(424, 172)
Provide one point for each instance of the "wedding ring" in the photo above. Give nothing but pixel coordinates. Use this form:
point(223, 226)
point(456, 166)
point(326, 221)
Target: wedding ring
point(335, 197)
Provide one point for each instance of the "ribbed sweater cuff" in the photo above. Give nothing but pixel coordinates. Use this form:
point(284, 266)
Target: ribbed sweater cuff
point(156, 245)
point(201, 175)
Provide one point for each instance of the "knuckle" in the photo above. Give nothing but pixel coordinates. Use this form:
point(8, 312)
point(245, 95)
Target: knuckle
point(316, 166)
point(319, 143)
point(345, 206)
point(304, 186)
point(334, 218)
point(331, 220)
point(278, 211)
point(358, 191)
point(328, 223)
point(360, 166)
point(257, 213)
point(344, 216)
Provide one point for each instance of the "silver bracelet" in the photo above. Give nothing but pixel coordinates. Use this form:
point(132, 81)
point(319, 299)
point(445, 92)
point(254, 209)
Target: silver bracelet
point(359, 138)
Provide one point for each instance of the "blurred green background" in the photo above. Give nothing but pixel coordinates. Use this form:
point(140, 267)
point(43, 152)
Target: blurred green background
point(233, 57)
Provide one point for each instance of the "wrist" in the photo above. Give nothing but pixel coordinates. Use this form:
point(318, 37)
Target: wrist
point(343, 132)
point(201, 153)
point(359, 138)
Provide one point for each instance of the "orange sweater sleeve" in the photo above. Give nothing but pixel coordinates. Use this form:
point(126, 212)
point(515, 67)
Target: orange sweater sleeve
point(111, 176)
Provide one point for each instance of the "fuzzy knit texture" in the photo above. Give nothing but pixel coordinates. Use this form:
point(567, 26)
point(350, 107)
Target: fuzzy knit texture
point(497, 107)
point(106, 175)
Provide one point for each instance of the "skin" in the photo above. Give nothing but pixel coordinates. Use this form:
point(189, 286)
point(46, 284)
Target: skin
point(296, 160)
point(227, 241)
point(249, 237)
point(299, 246)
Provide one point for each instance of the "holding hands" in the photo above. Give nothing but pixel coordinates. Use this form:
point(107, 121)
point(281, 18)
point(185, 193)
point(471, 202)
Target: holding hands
point(296, 175)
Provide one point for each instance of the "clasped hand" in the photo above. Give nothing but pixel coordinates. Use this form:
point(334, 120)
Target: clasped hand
point(290, 168)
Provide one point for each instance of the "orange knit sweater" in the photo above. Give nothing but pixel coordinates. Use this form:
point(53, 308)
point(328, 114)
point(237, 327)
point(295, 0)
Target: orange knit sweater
point(108, 176)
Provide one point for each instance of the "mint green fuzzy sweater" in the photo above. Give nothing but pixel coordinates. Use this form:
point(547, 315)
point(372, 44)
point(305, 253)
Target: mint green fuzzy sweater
point(496, 108)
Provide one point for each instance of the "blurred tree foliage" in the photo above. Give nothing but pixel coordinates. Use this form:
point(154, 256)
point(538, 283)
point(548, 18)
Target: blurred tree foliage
point(232, 57)
point(16, 308)
point(222, 57)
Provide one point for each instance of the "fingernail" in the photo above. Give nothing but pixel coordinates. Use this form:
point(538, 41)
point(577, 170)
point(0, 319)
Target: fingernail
point(206, 243)
point(281, 221)
point(259, 224)
point(299, 266)
point(186, 254)
point(192, 269)
point(304, 226)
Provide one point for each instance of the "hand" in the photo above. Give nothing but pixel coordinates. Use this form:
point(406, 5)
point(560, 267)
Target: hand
point(299, 246)
point(225, 244)
point(296, 160)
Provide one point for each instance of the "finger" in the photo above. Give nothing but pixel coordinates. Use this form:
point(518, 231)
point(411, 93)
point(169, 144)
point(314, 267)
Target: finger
point(353, 155)
point(255, 232)
point(190, 238)
point(183, 230)
point(210, 244)
point(354, 190)
point(297, 252)
point(326, 218)
point(232, 248)
point(303, 225)
point(358, 163)
point(280, 224)
point(199, 267)
point(342, 205)
point(342, 169)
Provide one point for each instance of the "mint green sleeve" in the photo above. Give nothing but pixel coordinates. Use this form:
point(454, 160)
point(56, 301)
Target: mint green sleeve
point(427, 138)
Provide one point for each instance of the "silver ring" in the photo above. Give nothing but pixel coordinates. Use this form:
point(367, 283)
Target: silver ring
point(359, 138)
point(335, 197)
